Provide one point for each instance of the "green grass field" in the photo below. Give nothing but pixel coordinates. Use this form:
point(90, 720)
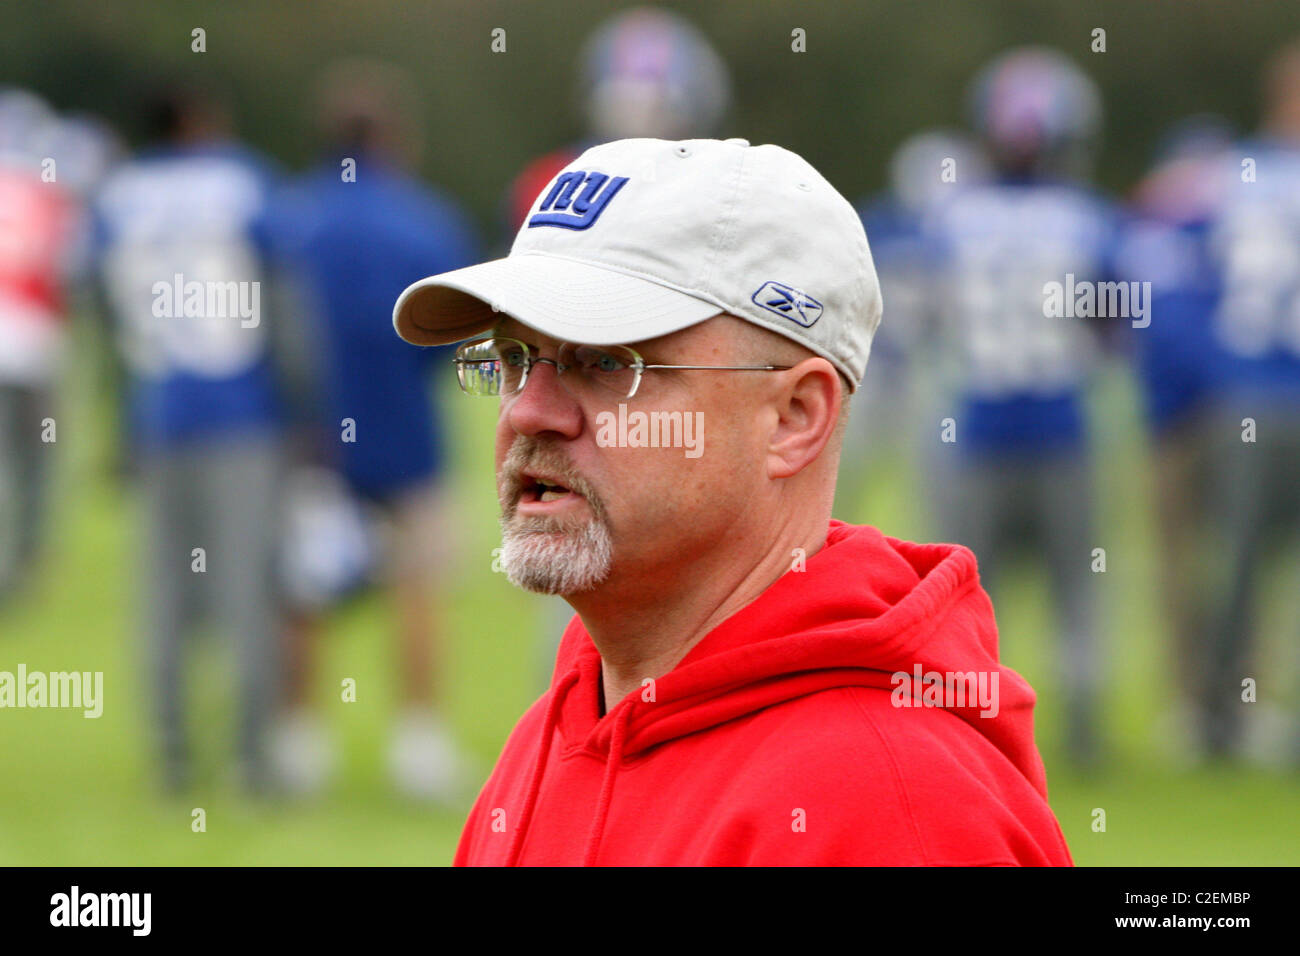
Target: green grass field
point(75, 791)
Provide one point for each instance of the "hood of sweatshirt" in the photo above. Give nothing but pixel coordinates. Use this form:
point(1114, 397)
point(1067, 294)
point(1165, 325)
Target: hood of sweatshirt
point(864, 610)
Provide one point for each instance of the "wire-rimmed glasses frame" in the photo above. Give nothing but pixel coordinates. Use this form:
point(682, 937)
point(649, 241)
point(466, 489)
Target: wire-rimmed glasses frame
point(498, 365)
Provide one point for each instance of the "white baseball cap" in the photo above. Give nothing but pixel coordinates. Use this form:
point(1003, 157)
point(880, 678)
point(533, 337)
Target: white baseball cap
point(639, 238)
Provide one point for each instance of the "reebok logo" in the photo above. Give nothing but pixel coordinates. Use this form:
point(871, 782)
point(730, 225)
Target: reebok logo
point(788, 302)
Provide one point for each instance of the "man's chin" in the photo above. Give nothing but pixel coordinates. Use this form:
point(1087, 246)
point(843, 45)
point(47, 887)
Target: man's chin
point(548, 556)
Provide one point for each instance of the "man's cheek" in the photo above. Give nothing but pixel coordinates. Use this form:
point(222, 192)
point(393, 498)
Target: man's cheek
point(501, 442)
point(505, 438)
point(652, 486)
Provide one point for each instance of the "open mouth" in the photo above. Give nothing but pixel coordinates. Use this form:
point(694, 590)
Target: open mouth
point(539, 489)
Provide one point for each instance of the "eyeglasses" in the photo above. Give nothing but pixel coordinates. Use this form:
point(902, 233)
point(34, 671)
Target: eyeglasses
point(500, 366)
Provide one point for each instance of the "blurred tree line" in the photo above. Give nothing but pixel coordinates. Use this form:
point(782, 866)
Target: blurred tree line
point(873, 72)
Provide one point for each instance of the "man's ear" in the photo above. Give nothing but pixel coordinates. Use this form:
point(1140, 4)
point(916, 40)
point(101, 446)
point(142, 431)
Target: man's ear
point(807, 403)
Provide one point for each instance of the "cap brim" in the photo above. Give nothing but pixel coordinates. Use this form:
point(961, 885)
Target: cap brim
point(563, 298)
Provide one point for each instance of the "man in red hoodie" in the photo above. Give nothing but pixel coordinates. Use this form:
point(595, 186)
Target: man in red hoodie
point(747, 681)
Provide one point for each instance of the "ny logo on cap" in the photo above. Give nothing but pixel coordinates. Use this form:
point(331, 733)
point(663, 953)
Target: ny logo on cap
point(585, 208)
point(788, 302)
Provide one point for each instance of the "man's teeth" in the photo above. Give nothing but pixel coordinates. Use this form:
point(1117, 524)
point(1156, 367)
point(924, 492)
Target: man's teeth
point(552, 494)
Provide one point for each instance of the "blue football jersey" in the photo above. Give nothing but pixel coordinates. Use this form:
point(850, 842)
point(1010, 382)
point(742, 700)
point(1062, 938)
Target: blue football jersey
point(1254, 240)
point(180, 251)
point(358, 244)
point(1175, 354)
point(905, 258)
point(1016, 373)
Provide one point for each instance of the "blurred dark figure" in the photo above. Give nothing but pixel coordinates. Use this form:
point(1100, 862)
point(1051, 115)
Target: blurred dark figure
point(928, 168)
point(183, 257)
point(47, 165)
point(361, 228)
point(1255, 241)
point(1011, 464)
point(1166, 243)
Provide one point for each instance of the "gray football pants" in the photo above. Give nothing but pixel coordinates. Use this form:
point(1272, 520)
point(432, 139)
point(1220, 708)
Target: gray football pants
point(1255, 493)
point(997, 506)
point(220, 496)
point(24, 472)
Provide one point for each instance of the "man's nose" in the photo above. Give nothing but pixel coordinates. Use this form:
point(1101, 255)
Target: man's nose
point(543, 404)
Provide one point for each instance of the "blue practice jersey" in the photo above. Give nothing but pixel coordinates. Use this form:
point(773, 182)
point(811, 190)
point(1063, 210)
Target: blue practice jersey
point(1254, 239)
point(180, 249)
point(359, 244)
point(1017, 374)
point(905, 258)
point(1176, 354)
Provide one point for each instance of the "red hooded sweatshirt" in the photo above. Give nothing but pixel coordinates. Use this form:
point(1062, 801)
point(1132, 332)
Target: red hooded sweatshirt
point(790, 735)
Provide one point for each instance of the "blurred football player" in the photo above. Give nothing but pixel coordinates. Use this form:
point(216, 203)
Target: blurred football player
point(1166, 244)
point(47, 167)
point(1255, 241)
point(362, 228)
point(34, 224)
point(927, 168)
point(1010, 448)
point(183, 255)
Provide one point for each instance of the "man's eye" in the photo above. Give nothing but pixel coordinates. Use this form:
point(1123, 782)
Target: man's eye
point(514, 358)
point(602, 362)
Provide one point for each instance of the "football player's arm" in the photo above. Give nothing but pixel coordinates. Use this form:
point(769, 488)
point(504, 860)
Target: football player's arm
point(295, 340)
point(95, 319)
point(298, 358)
point(1112, 332)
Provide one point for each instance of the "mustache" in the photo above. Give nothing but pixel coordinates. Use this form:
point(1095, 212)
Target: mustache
point(530, 454)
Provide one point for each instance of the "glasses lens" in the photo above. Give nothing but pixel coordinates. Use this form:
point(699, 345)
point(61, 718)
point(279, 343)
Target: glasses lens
point(491, 366)
point(602, 369)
